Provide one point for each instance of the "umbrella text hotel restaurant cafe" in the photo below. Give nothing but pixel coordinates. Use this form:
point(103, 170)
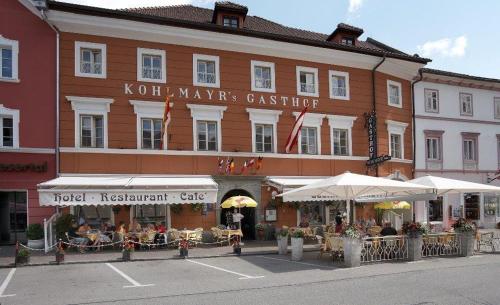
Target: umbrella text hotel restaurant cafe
point(238, 83)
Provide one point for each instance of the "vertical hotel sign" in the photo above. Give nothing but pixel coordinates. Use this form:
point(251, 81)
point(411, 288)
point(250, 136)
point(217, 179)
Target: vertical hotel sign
point(371, 125)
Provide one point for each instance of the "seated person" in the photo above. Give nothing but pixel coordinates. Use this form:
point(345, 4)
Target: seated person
point(77, 239)
point(134, 226)
point(121, 231)
point(160, 233)
point(388, 230)
point(85, 228)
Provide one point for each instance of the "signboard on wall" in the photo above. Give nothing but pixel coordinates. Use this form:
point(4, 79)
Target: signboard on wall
point(371, 125)
point(271, 215)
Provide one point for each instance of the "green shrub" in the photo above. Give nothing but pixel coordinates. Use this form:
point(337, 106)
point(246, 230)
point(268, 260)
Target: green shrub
point(35, 231)
point(23, 253)
point(63, 224)
point(298, 234)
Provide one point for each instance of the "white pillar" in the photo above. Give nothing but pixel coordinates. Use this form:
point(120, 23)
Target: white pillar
point(481, 209)
point(169, 217)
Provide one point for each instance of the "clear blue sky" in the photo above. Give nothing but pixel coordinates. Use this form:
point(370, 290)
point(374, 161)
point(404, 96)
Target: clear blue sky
point(458, 35)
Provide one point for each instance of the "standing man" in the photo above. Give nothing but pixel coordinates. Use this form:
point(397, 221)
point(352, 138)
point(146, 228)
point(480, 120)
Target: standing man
point(237, 217)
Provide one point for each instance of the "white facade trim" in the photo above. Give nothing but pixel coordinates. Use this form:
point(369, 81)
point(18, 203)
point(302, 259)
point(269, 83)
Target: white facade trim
point(91, 45)
point(28, 150)
point(14, 46)
point(400, 88)
point(256, 63)
point(398, 128)
point(14, 114)
point(162, 54)
point(264, 116)
point(93, 106)
point(341, 122)
point(332, 73)
point(147, 110)
point(207, 113)
point(300, 69)
point(215, 59)
point(314, 120)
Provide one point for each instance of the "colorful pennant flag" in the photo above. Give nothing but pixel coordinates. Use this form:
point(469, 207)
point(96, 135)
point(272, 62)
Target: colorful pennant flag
point(165, 122)
point(294, 134)
point(259, 163)
point(220, 166)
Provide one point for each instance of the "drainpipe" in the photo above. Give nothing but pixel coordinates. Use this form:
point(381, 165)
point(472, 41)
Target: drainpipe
point(374, 102)
point(414, 144)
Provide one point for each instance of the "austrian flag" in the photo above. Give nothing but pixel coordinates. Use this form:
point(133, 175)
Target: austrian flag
point(294, 134)
point(165, 121)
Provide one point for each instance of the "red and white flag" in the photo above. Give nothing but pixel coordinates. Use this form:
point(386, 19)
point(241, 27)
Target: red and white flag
point(165, 121)
point(294, 134)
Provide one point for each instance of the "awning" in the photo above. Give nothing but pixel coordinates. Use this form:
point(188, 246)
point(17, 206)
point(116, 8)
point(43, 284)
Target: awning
point(127, 190)
point(288, 183)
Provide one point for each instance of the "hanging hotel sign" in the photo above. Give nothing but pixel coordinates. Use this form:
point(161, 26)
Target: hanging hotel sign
point(65, 198)
point(220, 96)
point(371, 125)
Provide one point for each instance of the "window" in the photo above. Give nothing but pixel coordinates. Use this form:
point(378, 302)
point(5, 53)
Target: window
point(207, 134)
point(264, 123)
point(498, 150)
point(466, 104)
point(262, 76)
point(9, 127)
point(396, 146)
point(349, 41)
point(341, 134)
point(431, 100)
point(14, 211)
point(264, 138)
point(206, 71)
point(151, 133)
point(91, 121)
point(396, 131)
point(9, 51)
point(308, 140)
point(472, 206)
point(150, 213)
point(496, 105)
point(307, 81)
point(433, 148)
point(436, 209)
point(470, 150)
point(151, 65)
point(94, 215)
point(231, 22)
point(394, 94)
point(91, 131)
point(340, 142)
point(312, 214)
point(339, 85)
point(90, 59)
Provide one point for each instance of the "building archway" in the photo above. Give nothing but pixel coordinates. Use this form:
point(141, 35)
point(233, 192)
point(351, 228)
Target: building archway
point(248, 221)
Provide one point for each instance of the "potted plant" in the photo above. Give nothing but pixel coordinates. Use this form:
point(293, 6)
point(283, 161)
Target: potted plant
point(23, 257)
point(59, 253)
point(63, 225)
point(465, 232)
point(128, 249)
point(260, 230)
point(297, 245)
point(35, 236)
point(351, 237)
point(184, 248)
point(282, 237)
point(414, 231)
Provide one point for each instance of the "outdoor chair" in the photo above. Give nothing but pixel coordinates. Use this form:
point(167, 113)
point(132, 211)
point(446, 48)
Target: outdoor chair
point(174, 236)
point(374, 231)
point(486, 239)
point(217, 235)
point(196, 237)
point(148, 240)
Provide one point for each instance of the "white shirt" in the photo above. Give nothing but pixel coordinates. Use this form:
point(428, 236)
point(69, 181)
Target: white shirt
point(237, 217)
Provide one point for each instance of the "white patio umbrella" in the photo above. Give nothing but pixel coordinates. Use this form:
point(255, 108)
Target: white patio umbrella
point(453, 186)
point(349, 186)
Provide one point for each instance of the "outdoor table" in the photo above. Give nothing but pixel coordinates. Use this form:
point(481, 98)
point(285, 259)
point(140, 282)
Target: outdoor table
point(186, 234)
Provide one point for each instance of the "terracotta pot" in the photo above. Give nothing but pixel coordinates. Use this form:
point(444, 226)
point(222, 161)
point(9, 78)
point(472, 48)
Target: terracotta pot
point(260, 233)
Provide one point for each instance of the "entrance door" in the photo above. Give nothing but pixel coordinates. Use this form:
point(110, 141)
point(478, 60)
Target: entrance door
point(248, 221)
point(13, 216)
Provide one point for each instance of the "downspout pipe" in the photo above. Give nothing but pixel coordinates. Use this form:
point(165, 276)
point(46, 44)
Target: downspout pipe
point(374, 101)
point(414, 140)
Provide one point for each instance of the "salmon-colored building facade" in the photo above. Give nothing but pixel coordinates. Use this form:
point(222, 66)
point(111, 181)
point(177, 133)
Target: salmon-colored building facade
point(27, 115)
point(237, 84)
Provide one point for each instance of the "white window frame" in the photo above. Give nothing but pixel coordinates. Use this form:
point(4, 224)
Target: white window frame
point(148, 110)
point(341, 122)
point(471, 103)
point(90, 106)
point(398, 128)
point(314, 120)
point(14, 114)
point(207, 113)
point(496, 115)
point(264, 116)
point(437, 141)
point(14, 46)
point(332, 73)
point(397, 84)
point(265, 64)
point(215, 59)
point(430, 91)
point(79, 45)
point(300, 69)
point(154, 52)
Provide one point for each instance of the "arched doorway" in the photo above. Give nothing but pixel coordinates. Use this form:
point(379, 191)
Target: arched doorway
point(248, 222)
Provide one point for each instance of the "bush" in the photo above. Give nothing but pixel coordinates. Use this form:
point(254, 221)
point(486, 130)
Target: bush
point(259, 227)
point(351, 231)
point(35, 231)
point(23, 253)
point(63, 224)
point(283, 233)
point(298, 234)
point(462, 225)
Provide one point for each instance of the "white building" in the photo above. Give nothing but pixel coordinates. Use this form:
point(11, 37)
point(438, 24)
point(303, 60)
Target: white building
point(457, 135)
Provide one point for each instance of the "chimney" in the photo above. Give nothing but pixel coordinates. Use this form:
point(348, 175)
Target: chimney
point(229, 14)
point(345, 34)
point(40, 4)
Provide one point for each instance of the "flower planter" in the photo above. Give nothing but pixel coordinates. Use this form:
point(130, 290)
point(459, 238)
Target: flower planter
point(466, 243)
point(297, 248)
point(22, 260)
point(260, 234)
point(352, 252)
point(183, 252)
point(415, 243)
point(126, 255)
point(36, 243)
point(237, 250)
point(59, 257)
point(282, 245)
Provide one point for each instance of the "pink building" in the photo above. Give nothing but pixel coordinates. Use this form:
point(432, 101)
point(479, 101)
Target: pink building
point(28, 80)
